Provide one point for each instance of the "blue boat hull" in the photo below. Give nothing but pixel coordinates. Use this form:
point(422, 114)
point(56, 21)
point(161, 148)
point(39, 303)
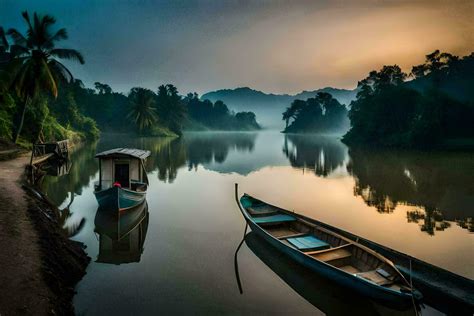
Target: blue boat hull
point(363, 287)
point(366, 288)
point(116, 198)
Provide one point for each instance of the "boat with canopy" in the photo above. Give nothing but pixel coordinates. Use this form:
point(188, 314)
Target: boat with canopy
point(123, 181)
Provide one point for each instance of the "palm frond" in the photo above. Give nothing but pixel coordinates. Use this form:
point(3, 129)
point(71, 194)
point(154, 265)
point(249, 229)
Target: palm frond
point(47, 79)
point(26, 17)
point(60, 71)
point(17, 37)
point(66, 53)
point(19, 83)
point(18, 50)
point(61, 34)
point(31, 31)
point(47, 20)
point(43, 31)
point(3, 38)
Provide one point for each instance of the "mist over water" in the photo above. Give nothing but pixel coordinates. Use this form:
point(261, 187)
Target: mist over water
point(413, 202)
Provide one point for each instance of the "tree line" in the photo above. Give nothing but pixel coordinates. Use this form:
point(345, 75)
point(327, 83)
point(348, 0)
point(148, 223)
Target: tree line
point(162, 112)
point(41, 100)
point(432, 106)
point(434, 109)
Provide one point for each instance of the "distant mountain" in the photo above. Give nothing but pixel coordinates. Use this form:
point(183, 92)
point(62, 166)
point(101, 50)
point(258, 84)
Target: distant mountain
point(268, 106)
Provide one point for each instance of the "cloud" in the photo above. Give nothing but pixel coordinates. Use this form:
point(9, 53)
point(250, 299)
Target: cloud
point(276, 46)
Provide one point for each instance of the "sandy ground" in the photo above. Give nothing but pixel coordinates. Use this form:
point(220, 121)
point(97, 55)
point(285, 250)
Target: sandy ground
point(22, 287)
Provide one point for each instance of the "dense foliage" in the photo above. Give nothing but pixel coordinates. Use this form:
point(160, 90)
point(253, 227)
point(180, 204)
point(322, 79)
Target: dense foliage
point(31, 76)
point(161, 113)
point(217, 115)
point(425, 112)
point(37, 91)
point(321, 114)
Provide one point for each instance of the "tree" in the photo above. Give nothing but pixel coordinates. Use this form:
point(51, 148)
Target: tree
point(143, 111)
point(170, 108)
point(322, 113)
point(286, 116)
point(293, 111)
point(35, 67)
point(379, 80)
point(433, 62)
point(103, 88)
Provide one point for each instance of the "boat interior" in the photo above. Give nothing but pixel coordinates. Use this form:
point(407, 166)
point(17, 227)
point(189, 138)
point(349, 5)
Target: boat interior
point(325, 245)
point(129, 173)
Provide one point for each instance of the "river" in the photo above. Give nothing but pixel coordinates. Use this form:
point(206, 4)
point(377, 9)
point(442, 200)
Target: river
point(181, 256)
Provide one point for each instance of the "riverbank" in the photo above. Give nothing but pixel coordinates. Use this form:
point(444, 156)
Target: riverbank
point(40, 265)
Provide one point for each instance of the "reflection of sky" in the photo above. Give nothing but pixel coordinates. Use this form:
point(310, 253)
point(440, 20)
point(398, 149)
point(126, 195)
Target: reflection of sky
point(195, 226)
point(266, 152)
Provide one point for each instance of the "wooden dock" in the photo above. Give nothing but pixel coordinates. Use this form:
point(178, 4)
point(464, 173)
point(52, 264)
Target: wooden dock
point(45, 151)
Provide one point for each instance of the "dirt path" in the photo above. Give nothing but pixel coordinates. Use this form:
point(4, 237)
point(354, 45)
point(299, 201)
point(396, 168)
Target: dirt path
point(22, 287)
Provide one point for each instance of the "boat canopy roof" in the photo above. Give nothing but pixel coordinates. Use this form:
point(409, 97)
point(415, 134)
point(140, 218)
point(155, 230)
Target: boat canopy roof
point(120, 152)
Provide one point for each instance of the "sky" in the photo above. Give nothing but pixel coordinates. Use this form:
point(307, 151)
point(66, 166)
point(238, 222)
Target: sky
point(273, 46)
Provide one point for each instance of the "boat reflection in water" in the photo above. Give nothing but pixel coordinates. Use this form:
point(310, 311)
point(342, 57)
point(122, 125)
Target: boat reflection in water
point(121, 234)
point(325, 295)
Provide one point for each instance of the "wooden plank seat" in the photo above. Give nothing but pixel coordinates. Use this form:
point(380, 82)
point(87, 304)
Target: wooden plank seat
point(332, 254)
point(374, 277)
point(274, 219)
point(307, 243)
point(292, 234)
point(283, 230)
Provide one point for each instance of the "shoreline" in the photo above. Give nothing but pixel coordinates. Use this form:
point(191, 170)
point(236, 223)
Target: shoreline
point(40, 264)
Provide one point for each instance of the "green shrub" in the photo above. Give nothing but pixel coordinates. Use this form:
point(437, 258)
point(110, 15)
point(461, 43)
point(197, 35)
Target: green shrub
point(89, 128)
point(7, 108)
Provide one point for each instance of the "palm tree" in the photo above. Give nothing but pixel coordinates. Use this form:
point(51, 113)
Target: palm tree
point(143, 111)
point(35, 68)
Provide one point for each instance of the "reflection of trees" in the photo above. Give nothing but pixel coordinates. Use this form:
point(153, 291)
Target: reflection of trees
point(168, 159)
point(83, 168)
point(431, 220)
point(215, 147)
point(198, 148)
point(317, 153)
point(192, 149)
point(440, 184)
point(59, 187)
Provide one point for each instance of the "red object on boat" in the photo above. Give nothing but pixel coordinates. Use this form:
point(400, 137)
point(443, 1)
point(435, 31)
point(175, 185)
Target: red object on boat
point(117, 184)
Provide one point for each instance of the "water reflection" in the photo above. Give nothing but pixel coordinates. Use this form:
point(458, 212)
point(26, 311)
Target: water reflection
point(193, 149)
point(438, 185)
point(121, 234)
point(320, 154)
point(82, 168)
point(320, 292)
point(205, 148)
point(256, 160)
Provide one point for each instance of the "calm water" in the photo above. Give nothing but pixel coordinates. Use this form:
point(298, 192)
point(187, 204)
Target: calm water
point(418, 203)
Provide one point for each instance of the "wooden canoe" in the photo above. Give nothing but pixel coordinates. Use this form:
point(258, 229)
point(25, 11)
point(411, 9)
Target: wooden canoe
point(325, 252)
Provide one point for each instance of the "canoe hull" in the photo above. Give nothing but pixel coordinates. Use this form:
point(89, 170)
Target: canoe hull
point(116, 198)
point(388, 296)
point(361, 286)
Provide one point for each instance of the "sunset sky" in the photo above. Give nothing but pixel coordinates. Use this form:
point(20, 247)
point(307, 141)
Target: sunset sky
point(274, 46)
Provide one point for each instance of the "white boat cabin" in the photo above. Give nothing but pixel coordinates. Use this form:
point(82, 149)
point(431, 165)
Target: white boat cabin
point(124, 167)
